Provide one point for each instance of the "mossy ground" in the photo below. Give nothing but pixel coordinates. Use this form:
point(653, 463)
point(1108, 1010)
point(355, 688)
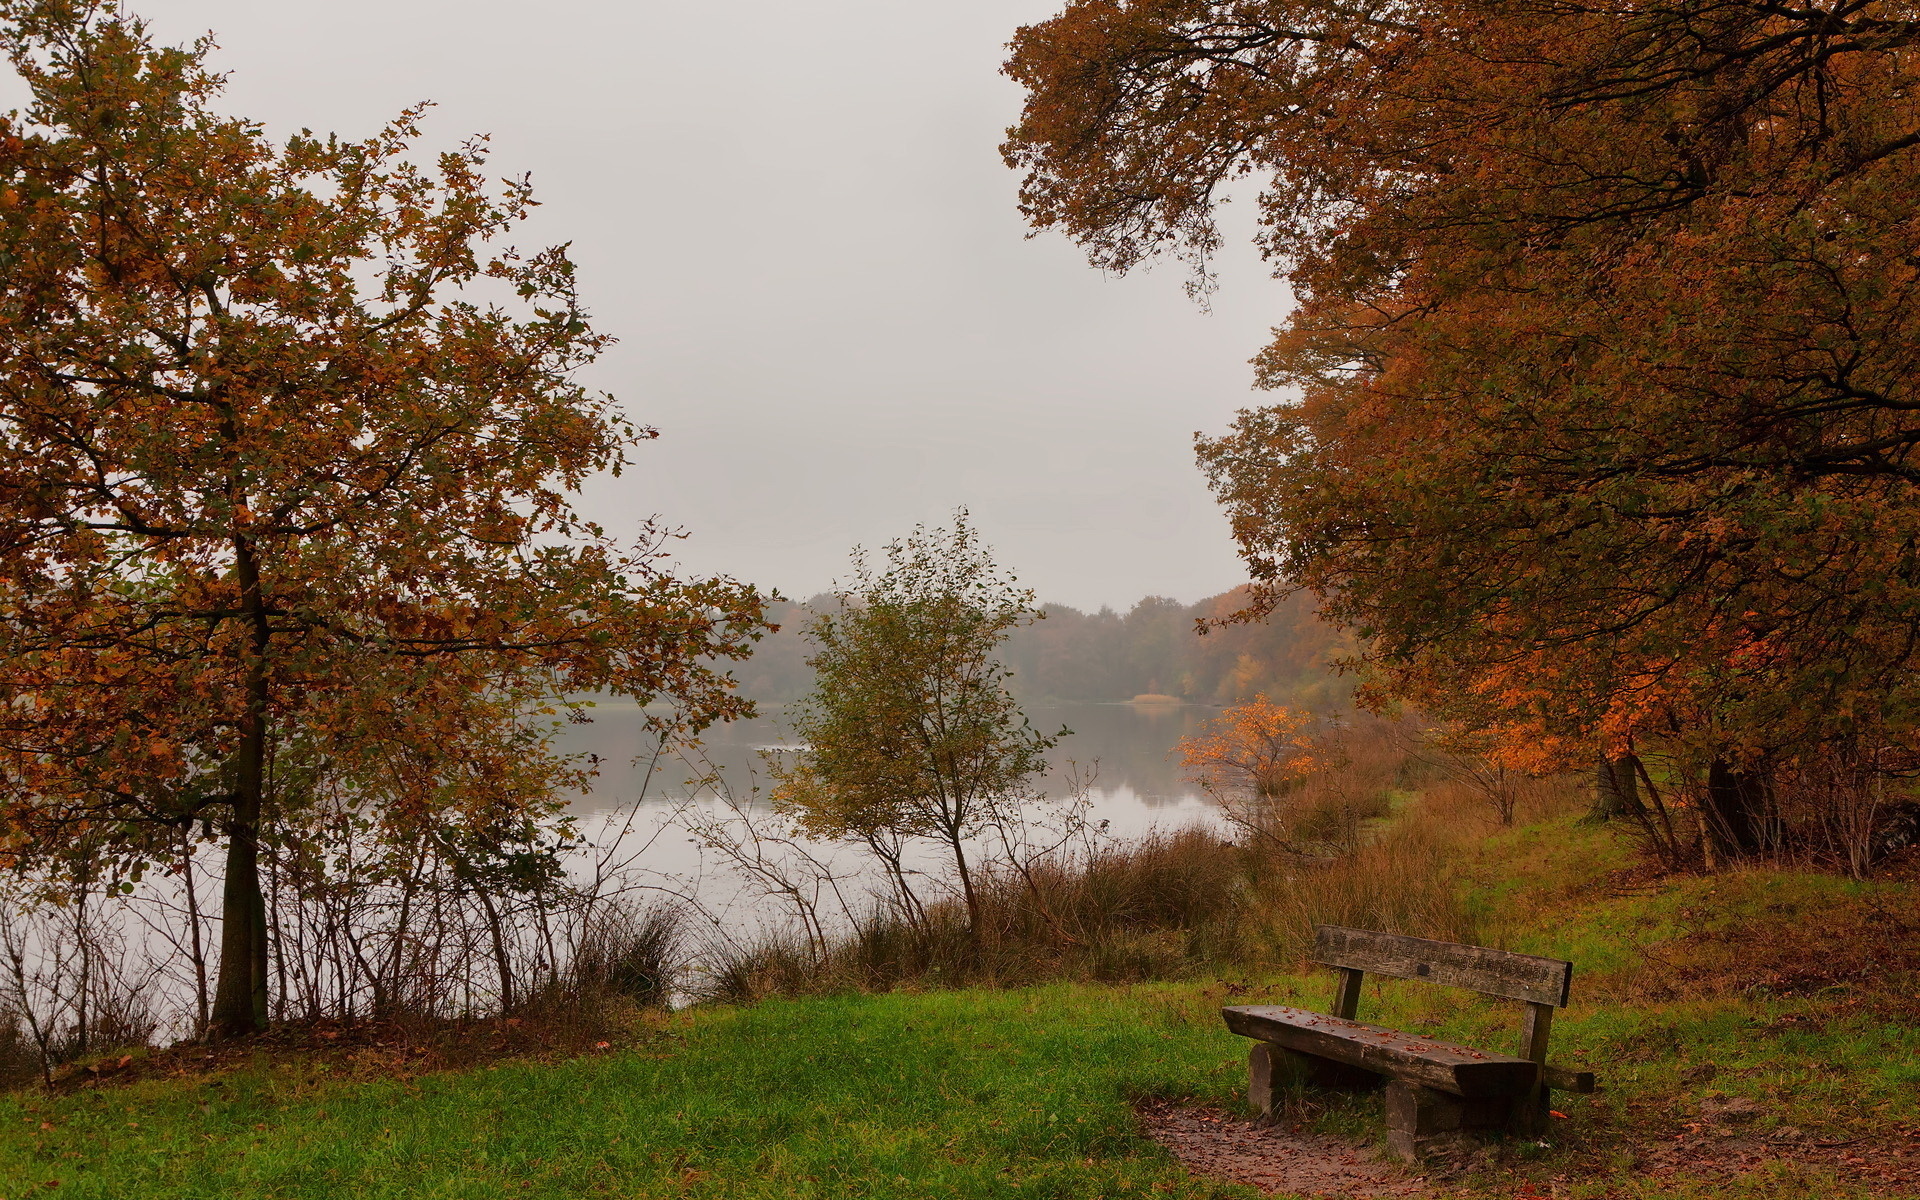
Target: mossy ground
point(1790, 988)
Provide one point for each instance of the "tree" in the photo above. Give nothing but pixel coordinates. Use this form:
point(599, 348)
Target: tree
point(1600, 383)
point(1257, 750)
point(285, 456)
point(910, 730)
point(1250, 759)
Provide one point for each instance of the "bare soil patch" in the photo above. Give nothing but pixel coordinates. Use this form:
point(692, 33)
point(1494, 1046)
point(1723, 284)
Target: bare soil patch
point(1287, 1160)
point(1710, 1149)
point(1273, 1158)
point(377, 1049)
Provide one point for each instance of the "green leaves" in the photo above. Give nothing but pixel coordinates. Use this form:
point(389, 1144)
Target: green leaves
point(910, 729)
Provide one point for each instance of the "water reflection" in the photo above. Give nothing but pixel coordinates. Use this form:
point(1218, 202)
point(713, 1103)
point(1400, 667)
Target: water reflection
point(1127, 749)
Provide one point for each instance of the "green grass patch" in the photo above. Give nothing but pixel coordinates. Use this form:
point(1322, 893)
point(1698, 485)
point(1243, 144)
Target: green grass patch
point(964, 1094)
point(1783, 987)
point(957, 1094)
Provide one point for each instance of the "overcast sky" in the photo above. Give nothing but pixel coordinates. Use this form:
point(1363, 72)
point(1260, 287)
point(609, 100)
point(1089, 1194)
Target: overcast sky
point(793, 215)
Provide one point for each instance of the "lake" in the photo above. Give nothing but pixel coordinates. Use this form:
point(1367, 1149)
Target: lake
point(1126, 751)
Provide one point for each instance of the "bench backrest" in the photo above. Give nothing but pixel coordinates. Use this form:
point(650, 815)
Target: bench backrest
point(1494, 972)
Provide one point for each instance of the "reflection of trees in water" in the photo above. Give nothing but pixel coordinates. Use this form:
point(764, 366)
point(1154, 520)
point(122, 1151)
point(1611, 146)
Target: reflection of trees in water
point(1132, 745)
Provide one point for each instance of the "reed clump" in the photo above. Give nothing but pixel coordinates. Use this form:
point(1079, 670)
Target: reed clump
point(637, 954)
point(1378, 848)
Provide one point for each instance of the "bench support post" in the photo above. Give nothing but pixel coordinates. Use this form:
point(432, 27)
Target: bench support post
point(1346, 1001)
point(1536, 1029)
point(1267, 1075)
point(1273, 1069)
point(1421, 1120)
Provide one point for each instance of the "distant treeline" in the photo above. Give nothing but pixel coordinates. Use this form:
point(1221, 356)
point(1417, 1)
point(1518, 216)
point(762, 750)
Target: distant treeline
point(1154, 648)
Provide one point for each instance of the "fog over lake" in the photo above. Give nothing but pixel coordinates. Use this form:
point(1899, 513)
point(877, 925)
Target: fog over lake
point(1125, 750)
point(1131, 745)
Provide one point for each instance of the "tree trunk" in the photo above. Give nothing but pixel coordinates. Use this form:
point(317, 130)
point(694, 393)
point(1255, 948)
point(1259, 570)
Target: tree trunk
point(502, 961)
point(966, 890)
point(200, 998)
point(240, 993)
point(1613, 789)
point(83, 938)
point(1735, 816)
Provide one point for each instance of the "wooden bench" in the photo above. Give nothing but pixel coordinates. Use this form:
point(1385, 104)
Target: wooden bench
point(1436, 1091)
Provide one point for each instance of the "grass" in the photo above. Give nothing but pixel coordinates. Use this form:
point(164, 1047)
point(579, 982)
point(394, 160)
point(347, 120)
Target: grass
point(1794, 989)
point(1365, 841)
point(950, 1094)
point(963, 1094)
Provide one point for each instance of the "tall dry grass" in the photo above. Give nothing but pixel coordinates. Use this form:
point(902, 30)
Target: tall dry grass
point(1387, 840)
point(371, 933)
point(1404, 881)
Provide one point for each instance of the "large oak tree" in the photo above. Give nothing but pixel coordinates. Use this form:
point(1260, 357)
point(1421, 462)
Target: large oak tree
point(287, 436)
point(1599, 398)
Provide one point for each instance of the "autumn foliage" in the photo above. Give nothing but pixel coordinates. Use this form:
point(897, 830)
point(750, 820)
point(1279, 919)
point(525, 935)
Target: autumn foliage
point(1595, 414)
point(287, 436)
point(1256, 749)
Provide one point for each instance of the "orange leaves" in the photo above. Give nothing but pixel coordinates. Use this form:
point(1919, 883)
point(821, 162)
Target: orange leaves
point(1599, 387)
point(273, 479)
point(1256, 749)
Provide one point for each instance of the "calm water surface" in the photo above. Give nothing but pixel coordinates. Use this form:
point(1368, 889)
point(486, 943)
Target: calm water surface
point(1126, 751)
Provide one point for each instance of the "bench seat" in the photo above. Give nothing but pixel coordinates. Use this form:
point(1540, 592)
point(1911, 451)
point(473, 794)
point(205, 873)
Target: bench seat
point(1459, 1070)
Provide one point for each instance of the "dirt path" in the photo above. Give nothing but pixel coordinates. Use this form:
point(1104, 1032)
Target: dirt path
point(1272, 1158)
point(1717, 1147)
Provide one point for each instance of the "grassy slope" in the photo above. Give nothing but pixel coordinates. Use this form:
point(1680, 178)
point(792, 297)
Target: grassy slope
point(1025, 1093)
point(962, 1094)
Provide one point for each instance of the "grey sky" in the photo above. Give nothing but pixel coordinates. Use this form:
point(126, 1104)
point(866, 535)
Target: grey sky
point(793, 215)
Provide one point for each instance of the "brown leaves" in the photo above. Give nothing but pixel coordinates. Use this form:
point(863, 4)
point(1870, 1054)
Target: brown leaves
point(257, 436)
point(1599, 387)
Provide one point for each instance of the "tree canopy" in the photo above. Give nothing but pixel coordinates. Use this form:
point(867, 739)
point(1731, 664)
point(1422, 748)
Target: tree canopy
point(910, 730)
point(287, 437)
point(1598, 398)
point(1109, 655)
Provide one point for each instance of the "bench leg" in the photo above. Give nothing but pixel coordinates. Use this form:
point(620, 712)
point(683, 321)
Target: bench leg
point(1421, 1120)
point(1530, 1116)
point(1272, 1069)
point(1530, 1110)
